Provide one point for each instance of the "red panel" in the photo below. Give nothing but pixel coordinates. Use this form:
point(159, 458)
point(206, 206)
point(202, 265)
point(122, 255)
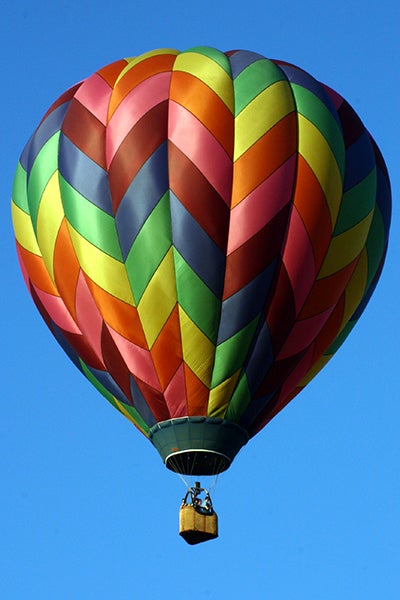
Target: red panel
point(85, 131)
point(140, 143)
point(198, 196)
point(326, 292)
point(114, 363)
point(250, 259)
point(311, 203)
point(155, 401)
point(65, 97)
point(280, 313)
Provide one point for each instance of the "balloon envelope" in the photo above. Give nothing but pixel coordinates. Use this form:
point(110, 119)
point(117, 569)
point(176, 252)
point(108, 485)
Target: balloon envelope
point(200, 231)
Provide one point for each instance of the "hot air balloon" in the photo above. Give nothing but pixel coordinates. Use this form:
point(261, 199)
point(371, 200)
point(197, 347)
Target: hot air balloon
point(200, 231)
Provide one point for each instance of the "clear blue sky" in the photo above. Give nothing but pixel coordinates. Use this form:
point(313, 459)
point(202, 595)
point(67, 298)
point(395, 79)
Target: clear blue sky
point(310, 508)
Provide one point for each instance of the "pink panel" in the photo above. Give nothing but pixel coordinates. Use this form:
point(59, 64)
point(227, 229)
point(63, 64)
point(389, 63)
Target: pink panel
point(88, 316)
point(334, 96)
point(261, 205)
point(175, 394)
point(95, 95)
point(298, 258)
point(138, 360)
point(201, 147)
point(57, 311)
point(303, 334)
point(140, 100)
point(296, 376)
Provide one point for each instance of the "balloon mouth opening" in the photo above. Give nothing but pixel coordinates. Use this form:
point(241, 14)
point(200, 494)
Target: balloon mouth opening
point(198, 445)
point(197, 462)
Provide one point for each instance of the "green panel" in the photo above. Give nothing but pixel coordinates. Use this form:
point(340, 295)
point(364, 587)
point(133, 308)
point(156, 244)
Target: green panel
point(92, 223)
point(19, 195)
point(136, 417)
point(43, 168)
point(340, 339)
point(219, 57)
point(99, 387)
point(319, 114)
point(196, 299)
point(230, 355)
point(253, 80)
point(375, 245)
point(357, 202)
point(240, 400)
point(149, 248)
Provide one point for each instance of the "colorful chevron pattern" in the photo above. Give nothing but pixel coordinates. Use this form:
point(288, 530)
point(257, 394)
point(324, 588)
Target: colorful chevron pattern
point(200, 231)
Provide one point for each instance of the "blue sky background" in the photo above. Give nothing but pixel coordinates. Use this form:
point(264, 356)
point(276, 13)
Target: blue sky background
point(310, 508)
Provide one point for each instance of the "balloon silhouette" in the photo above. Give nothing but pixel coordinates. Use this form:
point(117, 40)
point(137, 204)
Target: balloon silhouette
point(200, 231)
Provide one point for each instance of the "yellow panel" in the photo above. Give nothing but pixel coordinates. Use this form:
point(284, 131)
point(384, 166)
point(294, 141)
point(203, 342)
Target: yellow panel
point(107, 272)
point(355, 288)
point(316, 151)
point(221, 395)
point(198, 350)
point(23, 229)
point(315, 369)
point(345, 247)
point(267, 109)
point(158, 299)
point(49, 220)
point(208, 71)
point(126, 414)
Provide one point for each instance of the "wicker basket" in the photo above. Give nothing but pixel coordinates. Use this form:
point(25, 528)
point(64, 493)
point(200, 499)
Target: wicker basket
point(195, 526)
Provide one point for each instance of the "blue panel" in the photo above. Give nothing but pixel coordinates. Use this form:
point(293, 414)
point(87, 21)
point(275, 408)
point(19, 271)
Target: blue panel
point(260, 357)
point(360, 160)
point(141, 405)
point(253, 410)
point(241, 60)
point(146, 189)
point(108, 382)
point(83, 174)
point(49, 127)
point(197, 248)
point(384, 199)
point(24, 158)
point(241, 308)
point(66, 346)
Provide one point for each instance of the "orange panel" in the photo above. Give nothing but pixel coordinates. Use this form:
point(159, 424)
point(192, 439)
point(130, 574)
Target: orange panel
point(197, 394)
point(206, 105)
point(37, 271)
point(66, 268)
point(326, 292)
point(110, 72)
point(138, 73)
point(264, 157)
point(310, 201)
point(122, 317)
point(167, 349)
